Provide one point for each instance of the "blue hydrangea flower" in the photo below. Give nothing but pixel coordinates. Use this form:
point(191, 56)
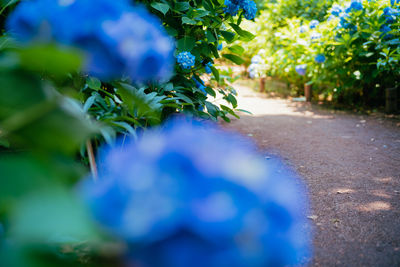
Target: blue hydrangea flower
point(231, 8)
point(390, 14)
point(256, 59)
point(190, 194)
point(385, 29)
point(336, 10)
point(313, 24)
point(303, 29)
point(354, 5)
point(208, 67)
point(320, 58)
point(113, 46)
point(219, 47)
point(186, 60)
point(301, 69)
point(250, 9)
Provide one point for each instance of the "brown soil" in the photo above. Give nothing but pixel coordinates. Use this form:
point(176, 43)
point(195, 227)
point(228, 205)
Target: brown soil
point(351, 164)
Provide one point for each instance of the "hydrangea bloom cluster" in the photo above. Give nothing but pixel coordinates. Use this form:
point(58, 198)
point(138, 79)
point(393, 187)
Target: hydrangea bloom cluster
point(256, 59)
point(249, 8)
point(190, 194)
point(117, 39)
point(313, 24)
point(390, 14)
point(207, 67)
point(252, 71)
point(186, 60)
point(354, 5)
point(301, 69)
point(336, 10)
point(320, 58)
point(255, 65)
point(343, 22)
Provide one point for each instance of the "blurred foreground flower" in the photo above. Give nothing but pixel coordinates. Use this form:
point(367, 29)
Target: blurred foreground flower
point(190, 194)
point(116, 38)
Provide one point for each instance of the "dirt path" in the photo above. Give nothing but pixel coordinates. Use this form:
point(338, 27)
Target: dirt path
point(351, 164)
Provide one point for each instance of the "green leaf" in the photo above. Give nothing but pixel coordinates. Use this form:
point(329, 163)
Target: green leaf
point(50, 59)
point(210, 91)
point(244, 111)
point(163, 8)
point(186, 20)
point(215, 73)
point(4, 142)
point(51, 215)
point(182, 6)
point(231, 99)
point(229, 36)
point(186, 43)
point(140, 103)
point(210, 36)
point(212, 109)
point(93, 83)
point(245, 34)
point(234, 58)
point(237, 49)
point(201, 13)
point(171, 31)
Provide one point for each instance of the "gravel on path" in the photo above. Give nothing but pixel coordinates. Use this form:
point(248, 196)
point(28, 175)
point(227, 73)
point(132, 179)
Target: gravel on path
point(351, 164)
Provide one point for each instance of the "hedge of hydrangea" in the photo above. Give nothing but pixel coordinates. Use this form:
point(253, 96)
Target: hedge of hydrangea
point(350, 38)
